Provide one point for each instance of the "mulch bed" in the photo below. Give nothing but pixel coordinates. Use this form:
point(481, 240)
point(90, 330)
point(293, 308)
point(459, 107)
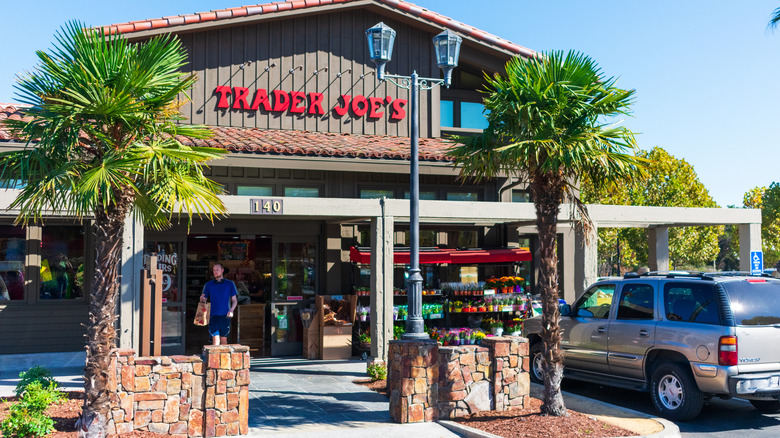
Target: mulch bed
point(65, 416)
point(528, 422)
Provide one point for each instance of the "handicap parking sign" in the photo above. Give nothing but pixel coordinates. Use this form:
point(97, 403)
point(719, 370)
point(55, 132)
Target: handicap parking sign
point(756, 262)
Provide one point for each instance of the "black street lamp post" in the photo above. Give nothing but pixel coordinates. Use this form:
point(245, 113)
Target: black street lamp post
point(447, 47)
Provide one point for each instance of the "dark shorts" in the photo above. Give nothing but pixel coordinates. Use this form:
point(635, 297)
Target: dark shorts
point(219, 325)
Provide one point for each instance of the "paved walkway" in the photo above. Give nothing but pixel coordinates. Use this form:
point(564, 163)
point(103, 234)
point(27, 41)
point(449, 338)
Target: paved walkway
point(298, 397)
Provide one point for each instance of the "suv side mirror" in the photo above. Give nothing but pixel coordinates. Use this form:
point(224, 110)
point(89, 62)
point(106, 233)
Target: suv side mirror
point(565, 309)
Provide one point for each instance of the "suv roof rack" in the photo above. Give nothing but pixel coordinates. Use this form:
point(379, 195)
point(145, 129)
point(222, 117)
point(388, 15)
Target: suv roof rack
point(669, 274)
point(737, 274)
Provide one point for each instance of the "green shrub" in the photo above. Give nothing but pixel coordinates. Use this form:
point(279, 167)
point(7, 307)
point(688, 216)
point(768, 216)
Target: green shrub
point(398, 331)
point(27, 417)
point(23, 422)
point(377, 371)
point(34, 374)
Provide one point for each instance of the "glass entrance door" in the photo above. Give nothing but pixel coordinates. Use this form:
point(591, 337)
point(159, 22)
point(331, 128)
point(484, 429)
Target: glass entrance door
point(295, 281)
point(169, 262)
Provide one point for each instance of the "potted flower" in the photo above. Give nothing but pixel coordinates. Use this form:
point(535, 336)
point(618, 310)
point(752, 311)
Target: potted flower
point(497, 328)
point(402, 312)
point(365, 340)
point(515, 327)
point(457, 306)
point(478, 337)
point(481, 306)
point(363, 313)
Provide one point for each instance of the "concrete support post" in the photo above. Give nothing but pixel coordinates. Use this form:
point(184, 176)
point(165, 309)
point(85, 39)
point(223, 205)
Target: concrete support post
point(568, 290)
point(130, 291)
point(333, 258)
point(381, 284)
point(586, 261)
point(658, 248)
point(749, 241)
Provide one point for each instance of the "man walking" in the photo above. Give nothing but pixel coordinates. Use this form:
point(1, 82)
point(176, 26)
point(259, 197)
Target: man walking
point(222, 293)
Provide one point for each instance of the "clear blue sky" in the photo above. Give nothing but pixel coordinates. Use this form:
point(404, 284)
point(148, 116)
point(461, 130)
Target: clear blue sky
point(706, 72)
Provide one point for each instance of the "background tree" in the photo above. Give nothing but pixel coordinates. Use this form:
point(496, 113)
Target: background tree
point(670, 182)
point(546, 125)
point(101, 146)
point(768, 200)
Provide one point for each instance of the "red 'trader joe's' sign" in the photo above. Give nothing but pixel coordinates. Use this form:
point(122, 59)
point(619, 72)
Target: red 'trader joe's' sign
point(298, 102)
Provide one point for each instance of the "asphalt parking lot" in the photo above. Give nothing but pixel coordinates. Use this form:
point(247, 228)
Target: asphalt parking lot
point(719, 418)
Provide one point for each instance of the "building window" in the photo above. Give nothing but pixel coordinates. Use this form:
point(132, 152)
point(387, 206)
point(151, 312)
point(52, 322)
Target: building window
point(473, 115)
point(62, 263)
point(254, 190)
point(462, 239)
point(461, 114)
point(425, 196)
point(302, 192)
point(374, 194)
point(13, 249)
point(462, 196)
point(447, 114)
point(521, 196)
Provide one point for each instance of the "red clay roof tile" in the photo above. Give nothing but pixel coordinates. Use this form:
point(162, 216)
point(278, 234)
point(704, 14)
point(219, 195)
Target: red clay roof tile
point(229, 13)
point(301, 143)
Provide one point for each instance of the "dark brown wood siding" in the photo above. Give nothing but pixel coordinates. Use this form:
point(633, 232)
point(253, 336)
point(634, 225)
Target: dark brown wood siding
point(42, 328)
point(285, 54)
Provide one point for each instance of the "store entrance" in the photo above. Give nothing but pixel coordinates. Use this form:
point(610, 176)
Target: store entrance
point(248, 261)
point(294, 285)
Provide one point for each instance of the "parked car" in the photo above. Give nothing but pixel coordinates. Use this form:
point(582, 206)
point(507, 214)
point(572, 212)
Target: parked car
point(684, 337)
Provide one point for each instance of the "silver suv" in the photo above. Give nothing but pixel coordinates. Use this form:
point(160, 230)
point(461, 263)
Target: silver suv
point(684, 337)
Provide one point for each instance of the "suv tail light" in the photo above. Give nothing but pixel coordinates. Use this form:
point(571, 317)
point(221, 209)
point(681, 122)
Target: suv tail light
point(727, 350)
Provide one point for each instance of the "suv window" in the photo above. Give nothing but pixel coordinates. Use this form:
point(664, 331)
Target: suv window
point(754, 303)
point(691, 302)
point(595, 302)
point(637, 301)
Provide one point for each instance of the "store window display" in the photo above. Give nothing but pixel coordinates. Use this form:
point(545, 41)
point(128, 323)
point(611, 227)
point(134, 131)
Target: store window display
point(62, 263)
point(12, 255)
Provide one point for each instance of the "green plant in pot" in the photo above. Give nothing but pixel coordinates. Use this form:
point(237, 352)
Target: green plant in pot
point(497, 328)
point(365, 340)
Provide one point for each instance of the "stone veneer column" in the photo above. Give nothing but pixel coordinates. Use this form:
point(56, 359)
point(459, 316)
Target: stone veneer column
point(511, 380)
point(226, 400)
point(413, 381)
point(181, 396)
point(156, 394)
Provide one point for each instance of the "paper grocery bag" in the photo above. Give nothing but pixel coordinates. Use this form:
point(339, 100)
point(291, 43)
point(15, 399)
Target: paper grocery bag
point(202, 315)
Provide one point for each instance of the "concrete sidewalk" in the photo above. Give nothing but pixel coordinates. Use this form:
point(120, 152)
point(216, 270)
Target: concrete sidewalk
point(296, 397)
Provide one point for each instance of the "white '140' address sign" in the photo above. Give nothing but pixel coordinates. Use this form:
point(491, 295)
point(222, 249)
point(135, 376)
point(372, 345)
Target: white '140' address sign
point(266, 206)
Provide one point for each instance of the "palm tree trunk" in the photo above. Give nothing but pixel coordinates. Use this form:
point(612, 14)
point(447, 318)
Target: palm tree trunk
point(101, 336)
point(547, 192)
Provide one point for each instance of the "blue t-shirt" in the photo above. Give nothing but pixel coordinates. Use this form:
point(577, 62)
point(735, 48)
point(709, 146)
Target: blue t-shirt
point(219, 293)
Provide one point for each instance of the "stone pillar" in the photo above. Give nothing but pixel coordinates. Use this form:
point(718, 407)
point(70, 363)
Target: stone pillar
point(464, 385)
point(749, 241)
point(381, 284)
point(586, 261)
point(412, 381)
point(511, 379)
point(658, 248)
point(226, 407)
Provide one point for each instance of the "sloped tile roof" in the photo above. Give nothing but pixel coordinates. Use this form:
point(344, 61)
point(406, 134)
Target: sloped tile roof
point(300, 143)
point(10, 111)
point(268, 8)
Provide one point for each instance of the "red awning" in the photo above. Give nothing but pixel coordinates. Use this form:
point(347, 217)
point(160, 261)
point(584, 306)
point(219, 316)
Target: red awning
point(438, 255)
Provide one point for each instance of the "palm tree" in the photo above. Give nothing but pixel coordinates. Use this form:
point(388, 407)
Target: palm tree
point(102, 145)
point(547, 125)
point(774, 19)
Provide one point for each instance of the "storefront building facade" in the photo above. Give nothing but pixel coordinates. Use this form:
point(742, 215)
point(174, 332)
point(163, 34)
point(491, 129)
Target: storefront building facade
point(318, 164)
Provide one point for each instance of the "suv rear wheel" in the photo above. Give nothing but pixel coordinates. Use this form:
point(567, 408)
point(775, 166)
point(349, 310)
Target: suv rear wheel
point(766, 406)
point(537, 366)
point(675, 394)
